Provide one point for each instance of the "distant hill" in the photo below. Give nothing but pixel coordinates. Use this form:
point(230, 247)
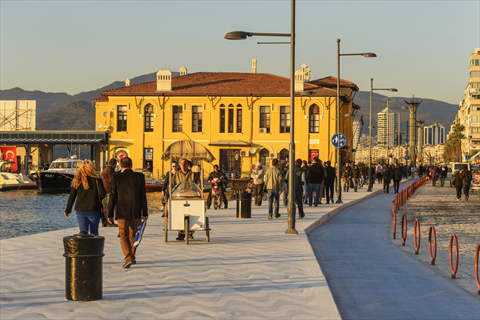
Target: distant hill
point(72, 116)
point(49, 101)
point(433, 111)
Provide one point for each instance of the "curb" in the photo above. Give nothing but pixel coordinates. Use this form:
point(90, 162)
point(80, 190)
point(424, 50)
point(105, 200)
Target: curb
point(327, 216)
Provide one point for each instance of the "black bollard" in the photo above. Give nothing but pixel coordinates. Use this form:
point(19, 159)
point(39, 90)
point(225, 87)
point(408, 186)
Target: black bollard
point(83, 266)
point(244, 205)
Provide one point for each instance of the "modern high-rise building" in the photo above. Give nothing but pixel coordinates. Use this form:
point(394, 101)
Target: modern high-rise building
point(356, 133)
point(434, 134)
point(387, 123)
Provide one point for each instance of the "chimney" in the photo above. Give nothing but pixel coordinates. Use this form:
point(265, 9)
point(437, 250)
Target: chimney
point(306, 72)
point(164, 80)
point(254, 65)
point(183, 71)
point(127, 82)
point(299, 81)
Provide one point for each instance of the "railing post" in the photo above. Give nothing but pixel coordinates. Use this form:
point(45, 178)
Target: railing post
point(454, 270)
point(476, 268)
point(404, 229)
point(415, 227)
point(434, 255)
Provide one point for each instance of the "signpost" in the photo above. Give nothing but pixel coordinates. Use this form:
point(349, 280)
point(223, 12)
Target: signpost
point(407, 158)
point(339, 140)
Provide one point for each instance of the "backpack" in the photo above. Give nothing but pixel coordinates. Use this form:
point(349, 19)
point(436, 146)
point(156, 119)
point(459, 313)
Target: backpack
point(467, 178)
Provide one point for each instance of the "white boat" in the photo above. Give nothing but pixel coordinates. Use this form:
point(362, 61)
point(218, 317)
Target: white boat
point(59, 175)
point(13, 181)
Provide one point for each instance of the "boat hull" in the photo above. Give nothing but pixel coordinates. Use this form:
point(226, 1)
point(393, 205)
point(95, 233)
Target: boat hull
point(50, 181)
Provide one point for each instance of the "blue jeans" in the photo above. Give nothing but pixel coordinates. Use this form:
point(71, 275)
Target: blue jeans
point(317, 187)
point(273, 196)
point(86, 223)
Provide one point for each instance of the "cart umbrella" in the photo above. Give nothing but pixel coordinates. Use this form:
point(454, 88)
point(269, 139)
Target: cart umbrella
point(187, 149)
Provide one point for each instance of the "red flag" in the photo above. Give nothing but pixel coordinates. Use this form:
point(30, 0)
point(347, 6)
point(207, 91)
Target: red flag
point(10, 153)
point(361, 119)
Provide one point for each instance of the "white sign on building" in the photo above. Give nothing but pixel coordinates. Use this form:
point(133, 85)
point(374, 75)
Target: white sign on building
point(18, 115)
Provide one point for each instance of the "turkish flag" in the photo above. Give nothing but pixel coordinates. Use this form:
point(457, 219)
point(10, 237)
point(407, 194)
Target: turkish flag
point(10, 154)
point(361, 119)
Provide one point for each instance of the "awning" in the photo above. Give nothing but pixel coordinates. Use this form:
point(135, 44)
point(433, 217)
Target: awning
point(230, 143)
point(187, 149)
point(53, 137)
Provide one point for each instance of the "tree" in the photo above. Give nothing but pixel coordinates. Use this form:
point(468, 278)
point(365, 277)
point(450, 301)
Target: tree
point(455, 135)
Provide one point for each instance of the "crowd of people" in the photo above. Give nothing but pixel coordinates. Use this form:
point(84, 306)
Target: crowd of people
point(121, 195)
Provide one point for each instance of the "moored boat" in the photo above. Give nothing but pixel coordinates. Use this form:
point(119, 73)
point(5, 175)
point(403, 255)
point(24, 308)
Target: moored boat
point(13, 181)
point(59, 176)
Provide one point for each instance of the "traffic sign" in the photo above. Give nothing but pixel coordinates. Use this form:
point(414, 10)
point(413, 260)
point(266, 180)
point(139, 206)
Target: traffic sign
point(407, 152)
point(339, 140)
point(407, 157)
point(467, 157)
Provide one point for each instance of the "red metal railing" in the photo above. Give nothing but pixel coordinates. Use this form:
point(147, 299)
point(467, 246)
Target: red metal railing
point(415, 233)
point(434, 255)
point(454, 270)
point(404, 229)
point(476, 268)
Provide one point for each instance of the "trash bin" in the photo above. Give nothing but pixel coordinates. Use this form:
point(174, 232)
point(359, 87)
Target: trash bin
point(244, 205)
point(83, 266)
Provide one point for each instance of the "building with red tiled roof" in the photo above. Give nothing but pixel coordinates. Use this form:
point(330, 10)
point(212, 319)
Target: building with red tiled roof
point(242, 118)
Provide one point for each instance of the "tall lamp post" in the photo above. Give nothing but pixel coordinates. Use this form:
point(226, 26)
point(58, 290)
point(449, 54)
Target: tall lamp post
point(242, 35)
point(370, 133)
point(366, 55)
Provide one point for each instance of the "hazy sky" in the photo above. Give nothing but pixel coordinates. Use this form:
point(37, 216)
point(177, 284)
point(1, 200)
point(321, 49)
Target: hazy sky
point(423, 47)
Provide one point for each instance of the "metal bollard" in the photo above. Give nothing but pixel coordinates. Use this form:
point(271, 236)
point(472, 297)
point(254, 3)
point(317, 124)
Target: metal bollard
point(83, 266)
point(244, 205)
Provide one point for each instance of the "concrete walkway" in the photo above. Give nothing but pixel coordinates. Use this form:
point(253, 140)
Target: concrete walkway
point(250, 269)
point(371, 278)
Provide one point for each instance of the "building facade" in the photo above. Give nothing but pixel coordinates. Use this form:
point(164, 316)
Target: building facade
point(470, 116)
point(242, 118)
point(387, 127)
point(434, 134)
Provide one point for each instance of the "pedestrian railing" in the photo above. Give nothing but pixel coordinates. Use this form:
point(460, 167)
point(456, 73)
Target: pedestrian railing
point(416, 227)
point(430, 234)
point(399, 201)
point(454, 270)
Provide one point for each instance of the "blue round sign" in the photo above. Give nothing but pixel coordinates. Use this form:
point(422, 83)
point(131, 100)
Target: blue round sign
point(407, 157)
point(339, 140)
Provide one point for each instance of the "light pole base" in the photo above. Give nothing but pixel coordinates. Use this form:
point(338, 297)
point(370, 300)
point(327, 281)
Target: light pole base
point(369, 190)
point(291, 231)
point(339, 201)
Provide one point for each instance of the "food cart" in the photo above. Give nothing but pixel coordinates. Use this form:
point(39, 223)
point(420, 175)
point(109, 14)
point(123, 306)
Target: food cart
point(186, 205)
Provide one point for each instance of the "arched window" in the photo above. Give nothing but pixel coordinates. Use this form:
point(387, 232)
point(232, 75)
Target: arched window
point(148, 118)
point(283, 157)
point(314, 116)
point(264, 154)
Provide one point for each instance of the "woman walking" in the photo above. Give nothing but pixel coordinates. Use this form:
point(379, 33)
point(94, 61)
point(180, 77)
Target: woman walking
point(443, 175)
point(87, 189)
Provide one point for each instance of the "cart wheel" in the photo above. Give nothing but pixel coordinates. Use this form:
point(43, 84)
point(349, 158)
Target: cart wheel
point(207, 229)
point(187, 228)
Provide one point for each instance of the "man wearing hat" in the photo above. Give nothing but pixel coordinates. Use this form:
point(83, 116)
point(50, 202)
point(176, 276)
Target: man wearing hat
point(217, 173)
point(258, 174)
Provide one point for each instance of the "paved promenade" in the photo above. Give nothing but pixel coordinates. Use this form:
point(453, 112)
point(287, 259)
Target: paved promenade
point(250, 269)
point(370, 278)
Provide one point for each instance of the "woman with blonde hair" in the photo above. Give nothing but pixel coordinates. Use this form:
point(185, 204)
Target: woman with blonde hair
point(88, 190)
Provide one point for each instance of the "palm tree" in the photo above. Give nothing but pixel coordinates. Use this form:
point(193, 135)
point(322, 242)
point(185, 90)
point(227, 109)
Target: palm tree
point(456, 134)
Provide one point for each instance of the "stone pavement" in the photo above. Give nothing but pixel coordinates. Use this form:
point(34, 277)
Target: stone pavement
point(250, 269)
point(438, 207)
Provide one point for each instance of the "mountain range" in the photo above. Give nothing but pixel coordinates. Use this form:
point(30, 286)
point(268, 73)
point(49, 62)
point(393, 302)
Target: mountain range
point(61, 111)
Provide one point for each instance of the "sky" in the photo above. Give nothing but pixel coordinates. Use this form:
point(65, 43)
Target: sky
point(422, 47)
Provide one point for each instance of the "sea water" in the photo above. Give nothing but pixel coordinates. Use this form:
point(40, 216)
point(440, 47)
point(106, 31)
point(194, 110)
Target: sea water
point(25, 212)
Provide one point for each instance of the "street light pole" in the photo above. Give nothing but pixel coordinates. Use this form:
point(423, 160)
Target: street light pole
point(241, 35)
point(370, 177)
point(367, 55)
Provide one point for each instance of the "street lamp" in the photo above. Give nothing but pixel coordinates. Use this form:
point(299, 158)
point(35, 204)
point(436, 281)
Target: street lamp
point(366, 55)
point(370, 138)
point(242, 35)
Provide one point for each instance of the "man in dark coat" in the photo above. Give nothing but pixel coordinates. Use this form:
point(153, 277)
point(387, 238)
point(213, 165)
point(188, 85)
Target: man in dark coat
point(386, 177)
point(329, 182)
point(315, 176)
point(128, 202)
point(397, 176)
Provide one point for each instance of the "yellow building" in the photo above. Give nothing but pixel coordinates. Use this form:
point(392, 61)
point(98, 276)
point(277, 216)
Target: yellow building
point(242, 118)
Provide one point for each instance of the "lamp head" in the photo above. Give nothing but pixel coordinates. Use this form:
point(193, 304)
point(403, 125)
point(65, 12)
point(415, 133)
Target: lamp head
point(369, 55)
point(348, 115)
point(237, 35)
point(306, 93)
point(392, 90)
